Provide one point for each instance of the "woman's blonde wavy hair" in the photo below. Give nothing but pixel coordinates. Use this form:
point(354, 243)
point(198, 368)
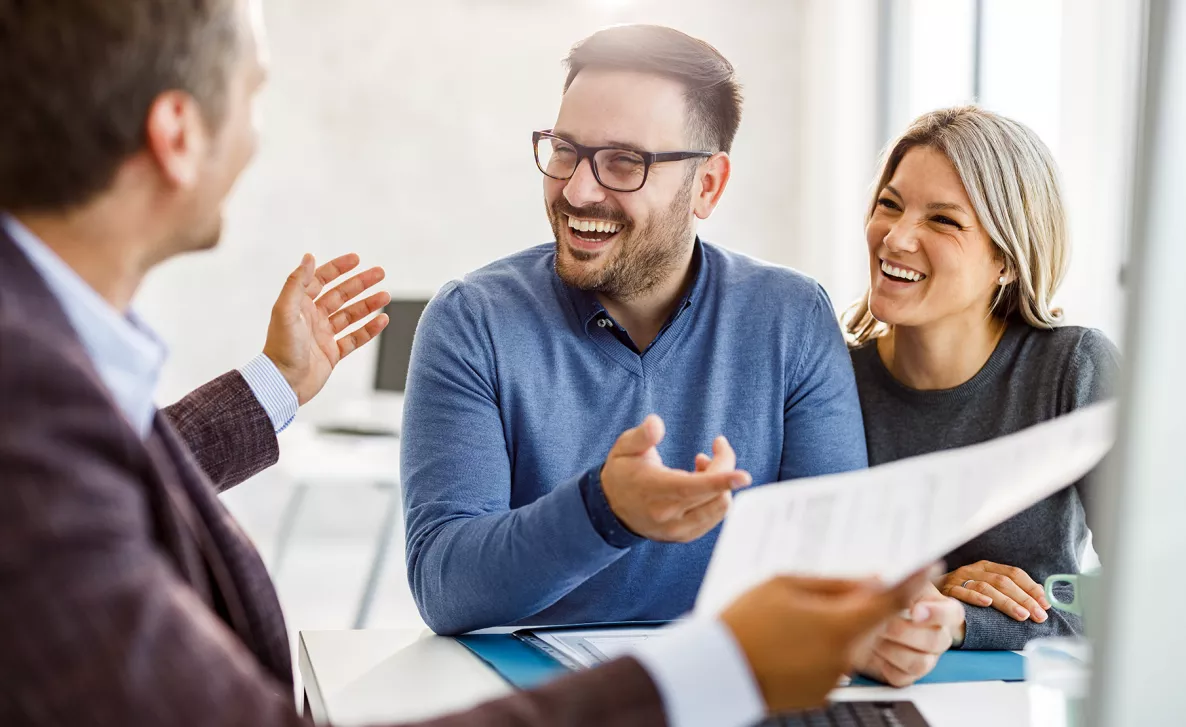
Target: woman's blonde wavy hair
point(1011, 179)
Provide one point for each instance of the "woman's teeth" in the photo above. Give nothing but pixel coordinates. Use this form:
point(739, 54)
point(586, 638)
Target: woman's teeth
point(900, 274)
point(610, 228)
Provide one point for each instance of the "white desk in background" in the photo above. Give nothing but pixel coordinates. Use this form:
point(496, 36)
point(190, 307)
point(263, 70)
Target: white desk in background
point(315, 459)
point(378, 677)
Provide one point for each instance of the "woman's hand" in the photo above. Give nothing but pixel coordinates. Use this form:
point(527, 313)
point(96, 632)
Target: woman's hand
point(1008, 589)
point(909, 645)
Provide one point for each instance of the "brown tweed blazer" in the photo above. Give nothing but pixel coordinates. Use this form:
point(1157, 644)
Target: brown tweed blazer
point(128, 594)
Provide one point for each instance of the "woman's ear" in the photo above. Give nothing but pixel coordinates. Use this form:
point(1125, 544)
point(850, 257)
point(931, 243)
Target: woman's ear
point(1007, 276)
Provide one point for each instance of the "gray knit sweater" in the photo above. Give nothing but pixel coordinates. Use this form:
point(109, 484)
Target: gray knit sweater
point(1032, 376)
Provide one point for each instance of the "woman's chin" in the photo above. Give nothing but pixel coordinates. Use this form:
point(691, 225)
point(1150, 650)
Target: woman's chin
point(890, 315)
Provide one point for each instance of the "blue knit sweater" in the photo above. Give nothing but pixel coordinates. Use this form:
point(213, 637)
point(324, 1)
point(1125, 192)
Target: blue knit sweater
point(518, 387)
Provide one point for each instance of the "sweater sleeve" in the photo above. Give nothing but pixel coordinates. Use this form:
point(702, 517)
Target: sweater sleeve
point(988, 629)
point(1092, 377)
point(473, 561)
point(823, 432)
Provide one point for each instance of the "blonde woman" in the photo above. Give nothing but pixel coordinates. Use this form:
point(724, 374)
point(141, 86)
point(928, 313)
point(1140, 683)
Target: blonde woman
point(958, 342)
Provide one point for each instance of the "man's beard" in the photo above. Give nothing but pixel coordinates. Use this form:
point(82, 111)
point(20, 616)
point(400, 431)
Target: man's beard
point(641, 259)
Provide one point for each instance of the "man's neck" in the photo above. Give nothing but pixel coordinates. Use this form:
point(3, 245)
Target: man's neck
point(643, 316)
point(95, 249)
point(941, 355)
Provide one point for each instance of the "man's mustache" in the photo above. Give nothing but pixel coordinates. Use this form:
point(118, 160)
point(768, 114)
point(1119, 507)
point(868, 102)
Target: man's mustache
point(589, 212)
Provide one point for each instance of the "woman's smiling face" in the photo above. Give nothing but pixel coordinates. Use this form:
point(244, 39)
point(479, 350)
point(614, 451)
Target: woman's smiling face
point(929, 258)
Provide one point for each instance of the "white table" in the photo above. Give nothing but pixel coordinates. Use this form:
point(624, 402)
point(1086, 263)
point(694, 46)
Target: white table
point(368, 677)
point(313, 459)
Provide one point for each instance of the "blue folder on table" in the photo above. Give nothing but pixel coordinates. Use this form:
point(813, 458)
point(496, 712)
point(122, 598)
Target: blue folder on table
point(520, 663)
point(968, 666)
point(525, 666)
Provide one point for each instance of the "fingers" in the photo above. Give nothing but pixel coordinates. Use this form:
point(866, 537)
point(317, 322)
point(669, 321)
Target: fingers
point(878, 604)
point(332, 300)
point(330, 272)
point(685, 505)
point(695, 488)
point(640, 439)
point(350, 343)
point(294, 286)
point(937, 610)
point(968, 596)
point(901, 665)
point(923, 637)
point(885, 671)
point(723, 456)
point(1000, 601)
point(1024, 601)
point(350, 315)
point(699, 520)
point(1022, 580)
point(908, 590)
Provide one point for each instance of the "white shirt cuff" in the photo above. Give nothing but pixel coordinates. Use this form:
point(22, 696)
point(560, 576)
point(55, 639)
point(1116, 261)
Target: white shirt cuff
point(702, 676)
point(272, 390)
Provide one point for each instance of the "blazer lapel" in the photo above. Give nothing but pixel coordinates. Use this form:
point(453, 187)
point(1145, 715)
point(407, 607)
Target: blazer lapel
point(193, 529)
point(243, 590)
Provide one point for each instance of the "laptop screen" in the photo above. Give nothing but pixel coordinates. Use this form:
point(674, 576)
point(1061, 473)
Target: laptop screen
point(395, 344)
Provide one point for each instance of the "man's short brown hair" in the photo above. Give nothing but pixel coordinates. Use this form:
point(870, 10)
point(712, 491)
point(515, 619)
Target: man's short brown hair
point(77, 80)
point(713, 94)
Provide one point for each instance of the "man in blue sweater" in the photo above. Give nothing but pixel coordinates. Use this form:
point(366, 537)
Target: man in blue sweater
point(558, 399)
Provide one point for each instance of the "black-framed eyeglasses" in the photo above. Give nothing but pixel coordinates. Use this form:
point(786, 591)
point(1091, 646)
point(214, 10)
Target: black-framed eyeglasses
point(617, 169)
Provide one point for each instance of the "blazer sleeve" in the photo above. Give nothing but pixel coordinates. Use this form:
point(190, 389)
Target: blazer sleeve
point(618, 693)
point(227, 430)
point(97, 626)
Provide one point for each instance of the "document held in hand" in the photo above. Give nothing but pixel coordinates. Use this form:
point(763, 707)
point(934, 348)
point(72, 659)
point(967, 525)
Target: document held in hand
point(891, 520)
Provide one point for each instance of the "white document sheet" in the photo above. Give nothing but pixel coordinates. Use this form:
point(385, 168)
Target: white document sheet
point(590, 647)
point(891, 520)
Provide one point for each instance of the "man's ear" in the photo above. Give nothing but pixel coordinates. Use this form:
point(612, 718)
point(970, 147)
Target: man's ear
point(712, 178)
point(178, 140)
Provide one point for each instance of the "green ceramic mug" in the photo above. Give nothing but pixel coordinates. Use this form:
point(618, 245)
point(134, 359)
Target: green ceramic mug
point(1086, 586)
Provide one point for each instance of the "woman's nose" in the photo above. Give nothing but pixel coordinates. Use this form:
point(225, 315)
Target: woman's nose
point(901, 238)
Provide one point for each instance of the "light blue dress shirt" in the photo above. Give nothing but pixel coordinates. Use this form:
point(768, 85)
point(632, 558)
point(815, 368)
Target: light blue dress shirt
point(126, 353)
point(698, 668)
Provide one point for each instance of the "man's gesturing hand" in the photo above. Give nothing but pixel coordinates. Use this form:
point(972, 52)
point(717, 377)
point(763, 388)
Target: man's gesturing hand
point(305, 338)
point(661, 503)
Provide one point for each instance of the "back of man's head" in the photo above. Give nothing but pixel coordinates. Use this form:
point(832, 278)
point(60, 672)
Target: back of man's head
point(712, 92)
point(77, 80)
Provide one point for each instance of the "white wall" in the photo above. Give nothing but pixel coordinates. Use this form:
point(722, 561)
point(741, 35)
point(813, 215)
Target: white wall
point(402, 131)
point(838, 142)
point(1097, 140)
point(1068, 70)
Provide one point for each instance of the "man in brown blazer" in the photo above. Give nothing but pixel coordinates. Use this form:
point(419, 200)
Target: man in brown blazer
point(128, 595)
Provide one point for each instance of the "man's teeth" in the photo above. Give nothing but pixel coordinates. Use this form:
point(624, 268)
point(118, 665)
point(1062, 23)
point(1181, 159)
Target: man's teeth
point(895, 272)
point(593, 225)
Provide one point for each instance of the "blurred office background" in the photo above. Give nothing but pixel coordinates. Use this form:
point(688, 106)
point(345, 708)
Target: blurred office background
point(400, 130)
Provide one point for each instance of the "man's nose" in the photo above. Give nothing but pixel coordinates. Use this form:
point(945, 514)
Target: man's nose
point(582, 188)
